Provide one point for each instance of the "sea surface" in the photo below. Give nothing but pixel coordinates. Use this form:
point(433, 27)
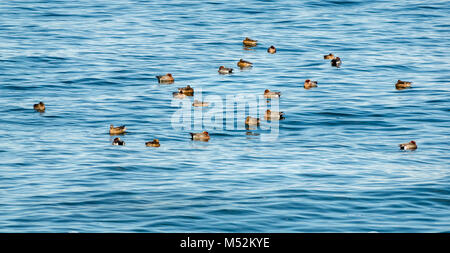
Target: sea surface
point(334, 167)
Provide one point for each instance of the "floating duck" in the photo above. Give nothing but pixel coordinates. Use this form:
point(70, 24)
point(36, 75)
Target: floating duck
point(328, 57)
point(118, 142)
point(309, 84)
point(271, 94)
point(402, 84)
point(154, 143)
point(408, 146)
point(203, 136)
point(269, 115)
point(271, 50)
point(116, 130)
point(244, 64)
point(39, 107)
point(336, 62)
point(249, 42)
point(188, 90)
point(179, 95)
point(200, 104)
point(223, 70)
point(168, 78)
point(251, 121)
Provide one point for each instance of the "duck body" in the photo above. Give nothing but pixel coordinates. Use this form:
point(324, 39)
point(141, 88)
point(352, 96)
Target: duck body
point(188, 90)
point(168, 78)
point(328, 57)
point(249, 42)
point(252, 121)
point(408, 146)
point(223, 70)
point(271, 94)
point(179, 95)
point(199, 103)
point(271, 50)
point(402, 84)
point(309, 84)
point(39, 107)
point(154, 143)
point(203, 136)
point(336, 62)
point(244, 64)
point(117, 130)
point(269, 115)
point(118, 142)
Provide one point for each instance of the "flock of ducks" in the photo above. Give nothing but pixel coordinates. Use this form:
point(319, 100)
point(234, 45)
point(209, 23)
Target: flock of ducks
point(249, 121)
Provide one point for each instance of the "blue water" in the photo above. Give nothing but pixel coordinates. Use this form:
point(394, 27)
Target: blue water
point(335, 166)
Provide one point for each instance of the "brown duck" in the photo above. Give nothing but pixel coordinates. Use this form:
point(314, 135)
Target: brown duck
point(271, 50)
point(116, 130)
point(271, 94)
point(168, 78)
point(328, 57)
point(179, 95)
point(408, 146)
point(188, 90)
point(269, 115)
point(199, 103)
point(244, 64)
point(402, 84)
point(203, 136)
point(154, 143)
point(39, 107)
point(252, 121)
point(309, 84)
point(249, 42)
point(223, 70)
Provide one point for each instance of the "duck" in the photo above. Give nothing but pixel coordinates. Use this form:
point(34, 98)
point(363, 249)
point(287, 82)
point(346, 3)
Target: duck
point(244, 64)
point(408, 146)
point(252, 121)
point(249, 42)
point(39, 107)
point(309, 84)
point(200, 104)
point(203, 136)
point(402, 84)
point(116, 130)
point(271, 94)
point(179, 95)
point(336, 62)
point(329, 56)
point(168, 78)
point(154, 143)
point(269, 115)
point(118, 142)
point(271, 50)
point(188, 90)
point(223, 70)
